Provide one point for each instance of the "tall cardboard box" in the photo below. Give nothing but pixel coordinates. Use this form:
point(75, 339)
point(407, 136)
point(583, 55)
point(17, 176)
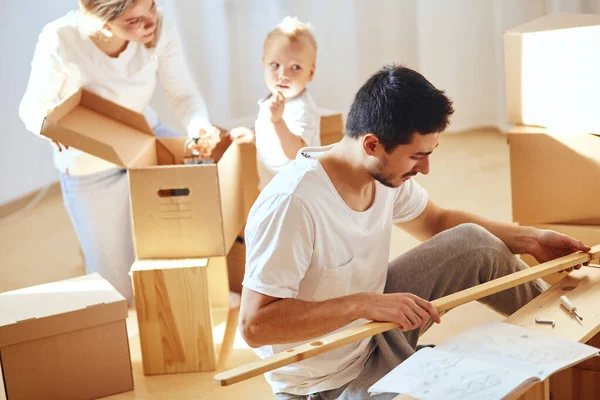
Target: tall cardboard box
point(179, 303)
point(554, 176)
point(65, 340)
point(551, 68)
point(332, 127)
point(249, 176)
point(178, 210)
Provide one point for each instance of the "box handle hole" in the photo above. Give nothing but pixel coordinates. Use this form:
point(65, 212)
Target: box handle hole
point(173, 192)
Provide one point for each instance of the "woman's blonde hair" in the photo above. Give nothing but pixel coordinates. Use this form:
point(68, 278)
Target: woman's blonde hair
point(98, 12)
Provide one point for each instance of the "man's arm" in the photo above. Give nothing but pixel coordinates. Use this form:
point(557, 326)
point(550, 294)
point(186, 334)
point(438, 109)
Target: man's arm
point(434, 220)
point(544, 245)
point(266, 320)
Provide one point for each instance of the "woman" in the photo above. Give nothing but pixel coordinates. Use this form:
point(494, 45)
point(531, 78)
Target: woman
point(117, 49)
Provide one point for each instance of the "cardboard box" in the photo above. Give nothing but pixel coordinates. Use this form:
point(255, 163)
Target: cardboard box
point(554, 177)
point(588, 234)
point(65, 340)
point(178, 210)
point(249, 176)
point(332, 128)
point(176, 302)
point(551, 67)
point(236, 264)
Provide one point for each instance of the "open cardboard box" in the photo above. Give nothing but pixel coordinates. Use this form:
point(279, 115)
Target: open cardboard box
point(551, 67)
point(64, 340)
point(554, 176)
point(178, 210)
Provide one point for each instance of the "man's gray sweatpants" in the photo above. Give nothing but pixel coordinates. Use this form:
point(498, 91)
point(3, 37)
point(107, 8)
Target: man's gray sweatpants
point(453, 260)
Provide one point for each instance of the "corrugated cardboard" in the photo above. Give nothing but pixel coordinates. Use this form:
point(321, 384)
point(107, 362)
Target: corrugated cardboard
point(554, 177)
point(249, 176)
point(65, 340)
point(175, 301)
point(551, 67)
point(332, 128)
point(178, 210)
point(588, 234)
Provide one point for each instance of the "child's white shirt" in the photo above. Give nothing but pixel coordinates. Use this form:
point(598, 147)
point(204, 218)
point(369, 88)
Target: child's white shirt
point(302, 118)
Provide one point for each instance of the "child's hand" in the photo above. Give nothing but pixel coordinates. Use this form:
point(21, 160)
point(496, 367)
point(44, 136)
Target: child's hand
point(276, 107)
point(242, 135)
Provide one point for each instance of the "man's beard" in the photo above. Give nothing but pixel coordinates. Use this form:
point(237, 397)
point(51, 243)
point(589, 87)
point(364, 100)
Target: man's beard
point(386, 179)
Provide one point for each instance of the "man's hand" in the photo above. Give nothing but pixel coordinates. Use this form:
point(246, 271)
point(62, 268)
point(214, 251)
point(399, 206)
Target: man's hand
point(207, 141)
point(242, 135)
point(405, 309)
point(546, 245)
point(276, 107)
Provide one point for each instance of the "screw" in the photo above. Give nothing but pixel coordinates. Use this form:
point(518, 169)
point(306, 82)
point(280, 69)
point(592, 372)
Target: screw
point(544, 321)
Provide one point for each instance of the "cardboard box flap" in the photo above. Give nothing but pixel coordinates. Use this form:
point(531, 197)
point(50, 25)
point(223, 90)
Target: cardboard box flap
point(556, 21)
point(58, 307)
point(160, 264)
point(98, 127)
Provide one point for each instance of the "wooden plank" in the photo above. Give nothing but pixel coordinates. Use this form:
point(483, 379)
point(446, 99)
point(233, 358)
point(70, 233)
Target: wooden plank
point(175, 313)
point(586, 385)
point(582, 287)
point(561, 385)
point(364, 331)
point(539, 391)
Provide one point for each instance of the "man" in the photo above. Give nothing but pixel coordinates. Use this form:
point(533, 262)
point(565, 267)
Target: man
point(318, 241)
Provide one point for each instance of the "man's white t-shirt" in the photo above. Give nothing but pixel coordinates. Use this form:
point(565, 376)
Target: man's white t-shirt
point(302, 118)
point(304, 242)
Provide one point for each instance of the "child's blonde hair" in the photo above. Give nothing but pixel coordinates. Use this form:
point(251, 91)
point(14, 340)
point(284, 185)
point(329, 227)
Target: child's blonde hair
point(293, 29)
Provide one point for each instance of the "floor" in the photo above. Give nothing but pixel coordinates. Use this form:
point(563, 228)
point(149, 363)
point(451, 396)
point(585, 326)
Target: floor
point(470, 171)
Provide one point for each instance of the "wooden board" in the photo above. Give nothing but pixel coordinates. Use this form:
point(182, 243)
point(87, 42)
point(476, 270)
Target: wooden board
point(582, 287)
point(364, 331)
point(175, 301)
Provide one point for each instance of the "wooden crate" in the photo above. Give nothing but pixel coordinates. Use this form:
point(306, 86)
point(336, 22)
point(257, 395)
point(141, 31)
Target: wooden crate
point(177, 304)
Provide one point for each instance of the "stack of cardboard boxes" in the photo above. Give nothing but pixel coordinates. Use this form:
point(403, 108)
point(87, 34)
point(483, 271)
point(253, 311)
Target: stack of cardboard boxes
point(552, 69)
point(185, 220)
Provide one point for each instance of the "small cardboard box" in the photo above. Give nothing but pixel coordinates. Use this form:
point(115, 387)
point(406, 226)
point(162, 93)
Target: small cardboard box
point(177, 303)
point(554, 177)
point(65, 340)
point(332, 128)
point(551, 67)
point(178, 210)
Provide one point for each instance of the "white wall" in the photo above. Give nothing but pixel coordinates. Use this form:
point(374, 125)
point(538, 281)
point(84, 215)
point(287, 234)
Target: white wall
point(25, 160)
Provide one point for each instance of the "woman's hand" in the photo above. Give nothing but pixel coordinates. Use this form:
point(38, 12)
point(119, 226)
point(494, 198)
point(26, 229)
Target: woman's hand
point(207, 141)
point(58, 146)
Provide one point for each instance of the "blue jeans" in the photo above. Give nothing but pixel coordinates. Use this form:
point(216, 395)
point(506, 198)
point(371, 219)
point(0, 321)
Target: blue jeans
point(99, 208)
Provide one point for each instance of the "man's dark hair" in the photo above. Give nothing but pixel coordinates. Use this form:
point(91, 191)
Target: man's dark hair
point(394, 104)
